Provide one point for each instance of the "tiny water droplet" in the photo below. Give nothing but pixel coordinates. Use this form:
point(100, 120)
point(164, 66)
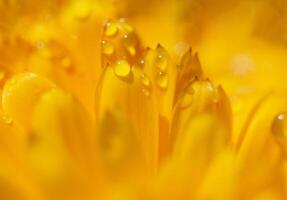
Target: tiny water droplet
point(279, 125)
point(161, 62)
point(187, 98)
point(107, 48)
point(146, 92)
point(146, 85)
point(130, 43)
point(145, 80)
point(122, 68)
point(111, 29)
point(142, 62)
point(162, 80)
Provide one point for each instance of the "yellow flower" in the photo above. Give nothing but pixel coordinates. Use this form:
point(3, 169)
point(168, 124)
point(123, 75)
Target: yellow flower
point(89, 111)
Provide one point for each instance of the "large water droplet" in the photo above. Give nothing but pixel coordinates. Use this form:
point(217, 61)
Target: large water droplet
point(111, 29)
point(107, 48)
point(162, 80)
point(122, 68)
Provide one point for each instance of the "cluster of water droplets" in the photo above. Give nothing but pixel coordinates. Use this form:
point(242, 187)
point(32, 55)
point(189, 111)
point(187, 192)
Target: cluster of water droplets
point(122, 51)
point(161, 65)
point(118, 47)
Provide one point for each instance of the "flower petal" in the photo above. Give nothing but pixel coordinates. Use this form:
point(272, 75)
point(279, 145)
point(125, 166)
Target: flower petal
point(134, 97)
point(21, 93)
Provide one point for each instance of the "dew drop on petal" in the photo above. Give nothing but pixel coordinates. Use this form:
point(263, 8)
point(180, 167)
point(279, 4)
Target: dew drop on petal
point(130, 44)
point(162, 80)
point(146, 92)
point(146, 85)
point(122, 68)
point(279, 125)
point(161, 62)
point(111, 29)
point(107, 48)
point(142, 62)
point(187, 98)
point(145, 80)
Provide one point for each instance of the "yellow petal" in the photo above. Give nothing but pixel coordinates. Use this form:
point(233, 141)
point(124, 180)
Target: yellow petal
point(134, 97)
point(200, 96)
point(221, 179)
point(120, 42)
point(62, 146)
point(204, 139)
point(21, 93)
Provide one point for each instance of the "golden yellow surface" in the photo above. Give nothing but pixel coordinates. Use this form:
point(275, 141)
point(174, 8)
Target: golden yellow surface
point(143, 99)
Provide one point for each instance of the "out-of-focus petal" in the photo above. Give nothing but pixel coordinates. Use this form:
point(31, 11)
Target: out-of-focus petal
point(15, 181)
point(259, 155)
point(21, 93)
point(131, 93)
point(221, 179)
point(204, 139)
point(62, 152)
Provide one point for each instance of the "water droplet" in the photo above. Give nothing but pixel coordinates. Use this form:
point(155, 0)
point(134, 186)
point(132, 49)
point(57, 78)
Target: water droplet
point(130, 43)
point(146, 85)
point(122, 68)
point(161, 62)
point(111, 29)
point(142, 62)
point(7, 120)
point(146, 92)
point(107, 48)
point(145, 80)
point(187, 98)
point(162, 80)
point(279, 125)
